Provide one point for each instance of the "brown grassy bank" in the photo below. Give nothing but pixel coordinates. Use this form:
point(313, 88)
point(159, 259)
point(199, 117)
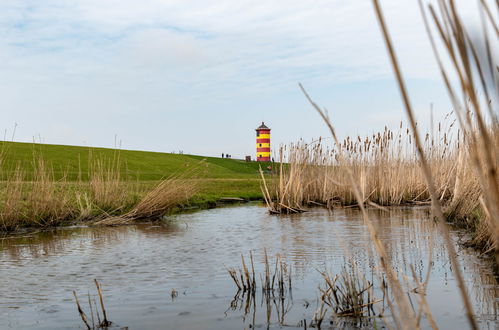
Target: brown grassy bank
point(387, 171)
point(48, 185)
point(39, 200)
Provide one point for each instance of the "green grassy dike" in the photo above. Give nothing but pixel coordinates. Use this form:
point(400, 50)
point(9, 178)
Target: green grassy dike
point(30, 169)
point(68, 162)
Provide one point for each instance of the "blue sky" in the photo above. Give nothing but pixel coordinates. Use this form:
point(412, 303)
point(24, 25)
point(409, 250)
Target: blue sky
point(200, 76)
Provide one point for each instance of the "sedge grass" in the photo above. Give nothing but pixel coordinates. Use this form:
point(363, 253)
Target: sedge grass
point(43, 201)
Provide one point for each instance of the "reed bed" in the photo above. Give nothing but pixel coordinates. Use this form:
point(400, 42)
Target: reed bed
point(385, 166)
point(386, 170)
point(39, 200)
point(454, 165)
point(459, 180)
point(474, 98)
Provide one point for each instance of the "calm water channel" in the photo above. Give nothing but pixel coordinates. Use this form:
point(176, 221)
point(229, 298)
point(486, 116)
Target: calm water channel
point(139, 265)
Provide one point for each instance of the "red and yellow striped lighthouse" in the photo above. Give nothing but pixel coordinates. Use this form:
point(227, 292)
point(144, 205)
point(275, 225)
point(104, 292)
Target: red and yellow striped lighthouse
point(263, 143)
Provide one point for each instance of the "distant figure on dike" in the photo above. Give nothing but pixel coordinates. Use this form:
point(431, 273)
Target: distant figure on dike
point(222, 155)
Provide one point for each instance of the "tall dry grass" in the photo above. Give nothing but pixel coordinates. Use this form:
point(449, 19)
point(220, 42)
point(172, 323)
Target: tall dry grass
point(38, 200)
point(47, 204)
point(385, 165)
point(171, 192)
point(474, 93)
point(166, 195)
point(461, 176)
point(108, 190)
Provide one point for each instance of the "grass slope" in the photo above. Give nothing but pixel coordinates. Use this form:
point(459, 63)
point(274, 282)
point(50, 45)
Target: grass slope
point(70, 161)
point(218, 177)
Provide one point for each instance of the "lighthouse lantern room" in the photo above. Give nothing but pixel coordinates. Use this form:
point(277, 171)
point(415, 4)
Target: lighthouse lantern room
point(263, 143)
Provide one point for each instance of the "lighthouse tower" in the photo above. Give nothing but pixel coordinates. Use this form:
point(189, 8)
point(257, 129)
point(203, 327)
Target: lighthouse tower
point(263, 143)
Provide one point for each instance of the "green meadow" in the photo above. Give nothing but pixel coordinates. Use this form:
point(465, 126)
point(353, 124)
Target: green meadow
point(72, 162)
point(115, 182)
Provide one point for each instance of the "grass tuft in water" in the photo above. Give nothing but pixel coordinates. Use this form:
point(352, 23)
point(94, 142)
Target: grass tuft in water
point(93, 322)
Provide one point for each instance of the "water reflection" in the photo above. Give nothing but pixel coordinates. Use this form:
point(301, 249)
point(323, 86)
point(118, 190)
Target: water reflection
point(139, 266)
point(275, 308)
point(55, 241)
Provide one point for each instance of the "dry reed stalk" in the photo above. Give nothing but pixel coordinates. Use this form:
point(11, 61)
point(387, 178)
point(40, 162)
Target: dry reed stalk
point(105, 323)
point(266, 195)
point(81, 312)
point(233, 274)
point(318, 316)
point(253, 282)
point(89, 305)
point(472, 58)
point(404, 310)
point(436, 206)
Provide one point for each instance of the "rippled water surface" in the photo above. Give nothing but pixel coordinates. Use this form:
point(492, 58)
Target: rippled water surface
point(139, 265)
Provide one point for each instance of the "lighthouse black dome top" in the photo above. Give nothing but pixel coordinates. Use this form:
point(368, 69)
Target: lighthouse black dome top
point(262, 126)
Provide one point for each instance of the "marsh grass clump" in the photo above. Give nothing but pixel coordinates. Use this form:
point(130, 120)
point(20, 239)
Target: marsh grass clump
point(275, 279)
point(242, 277)
point(167, 194)
point(276, 288)
point(349, 294)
